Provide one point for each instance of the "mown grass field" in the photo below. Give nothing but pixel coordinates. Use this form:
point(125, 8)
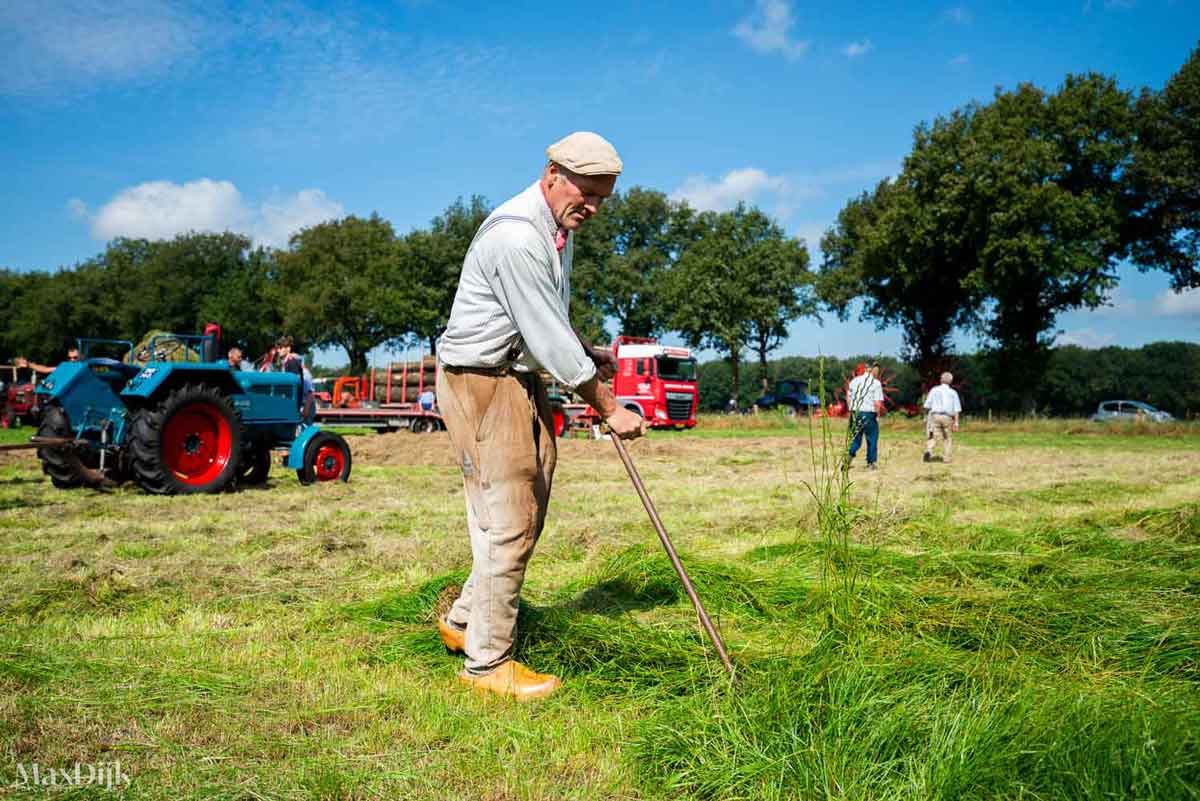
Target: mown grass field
point(1023, 623)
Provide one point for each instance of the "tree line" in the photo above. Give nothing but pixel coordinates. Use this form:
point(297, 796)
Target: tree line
point(1004, 215)
point(1076, 380)
point(645, 265)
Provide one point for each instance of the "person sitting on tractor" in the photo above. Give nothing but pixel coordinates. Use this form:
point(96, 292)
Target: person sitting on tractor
point(46, 369)
point(236, 360)
point(290, 362)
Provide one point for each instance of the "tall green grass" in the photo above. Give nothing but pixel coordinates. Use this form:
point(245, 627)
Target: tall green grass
point(914, 633)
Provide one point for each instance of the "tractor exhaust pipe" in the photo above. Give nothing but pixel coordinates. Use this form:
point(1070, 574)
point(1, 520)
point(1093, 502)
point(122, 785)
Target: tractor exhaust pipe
point(674, 557)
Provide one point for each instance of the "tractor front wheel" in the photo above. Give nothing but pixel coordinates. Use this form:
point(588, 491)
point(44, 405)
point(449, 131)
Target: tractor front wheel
point(190, 442)
point(326, 458)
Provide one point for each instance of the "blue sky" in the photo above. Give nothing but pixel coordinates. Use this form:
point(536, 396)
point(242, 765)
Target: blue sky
point(147, 118)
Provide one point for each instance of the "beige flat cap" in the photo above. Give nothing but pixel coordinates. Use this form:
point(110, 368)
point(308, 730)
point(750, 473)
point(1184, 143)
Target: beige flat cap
point(585, 153)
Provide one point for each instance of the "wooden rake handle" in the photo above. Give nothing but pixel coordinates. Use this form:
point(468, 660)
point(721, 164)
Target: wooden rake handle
point(670, 549)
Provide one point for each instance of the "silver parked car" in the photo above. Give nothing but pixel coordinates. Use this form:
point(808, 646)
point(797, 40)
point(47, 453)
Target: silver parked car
point(1129, 410)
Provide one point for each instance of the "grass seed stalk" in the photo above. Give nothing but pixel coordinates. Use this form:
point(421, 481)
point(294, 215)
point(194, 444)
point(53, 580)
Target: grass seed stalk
point(830, 489)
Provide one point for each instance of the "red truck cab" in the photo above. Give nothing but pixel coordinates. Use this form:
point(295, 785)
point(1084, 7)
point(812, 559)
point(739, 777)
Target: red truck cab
point(656, 381)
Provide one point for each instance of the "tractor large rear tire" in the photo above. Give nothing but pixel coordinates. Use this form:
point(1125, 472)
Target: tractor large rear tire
point(64, 465)
point(190, 442)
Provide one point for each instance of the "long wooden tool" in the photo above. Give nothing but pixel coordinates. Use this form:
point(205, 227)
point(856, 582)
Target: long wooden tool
point(670, 549)
point(39, 442)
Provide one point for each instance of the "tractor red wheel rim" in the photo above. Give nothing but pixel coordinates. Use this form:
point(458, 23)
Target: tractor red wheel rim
point(329, 462)
point(197, 444)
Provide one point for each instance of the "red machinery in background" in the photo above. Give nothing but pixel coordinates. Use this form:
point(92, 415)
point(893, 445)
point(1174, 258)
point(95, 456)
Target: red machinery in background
point(18, 404)
point(385, 400)
point(840, 406)
point(655, 381)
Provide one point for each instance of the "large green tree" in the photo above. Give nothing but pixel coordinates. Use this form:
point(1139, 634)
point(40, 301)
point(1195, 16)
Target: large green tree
point(777, 269)
point(432, 263)
point(1005, 215)
point(1163, 226)
point(906, 248)
point(336, 284)
point(53, 309)
point(1051, 206)
point(620, 257)
point(740, 276)
point(161, 284)
point(242, 303)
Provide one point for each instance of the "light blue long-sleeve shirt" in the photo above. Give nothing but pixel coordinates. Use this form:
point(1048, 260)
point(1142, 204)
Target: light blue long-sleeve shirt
point(514, 296)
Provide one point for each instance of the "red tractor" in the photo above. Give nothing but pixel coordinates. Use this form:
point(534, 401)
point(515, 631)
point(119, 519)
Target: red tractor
point(18, 404)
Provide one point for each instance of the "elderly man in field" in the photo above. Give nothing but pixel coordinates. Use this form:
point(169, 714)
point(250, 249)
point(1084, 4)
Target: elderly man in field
point(509, 320)
point(865, 398)
point(944, 407)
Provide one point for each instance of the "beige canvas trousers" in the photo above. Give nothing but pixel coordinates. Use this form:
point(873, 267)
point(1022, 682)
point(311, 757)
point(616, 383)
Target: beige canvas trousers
point(941, 424)
point(502, 433)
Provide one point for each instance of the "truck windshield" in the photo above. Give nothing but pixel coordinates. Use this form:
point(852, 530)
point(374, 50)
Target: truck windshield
point(676, 369)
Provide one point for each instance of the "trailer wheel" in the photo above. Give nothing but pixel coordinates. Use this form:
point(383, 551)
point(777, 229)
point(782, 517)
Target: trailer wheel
point(423, 425)
point(326, 458)
point(64, 466)
point(190, 442)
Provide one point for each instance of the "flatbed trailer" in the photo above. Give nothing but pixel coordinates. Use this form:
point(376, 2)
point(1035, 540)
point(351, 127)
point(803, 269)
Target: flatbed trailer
point(382, 417)
point(383, 400)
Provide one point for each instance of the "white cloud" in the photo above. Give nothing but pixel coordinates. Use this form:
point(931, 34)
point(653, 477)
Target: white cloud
point(277, 220)
point(855, 49)
point(960, 60)
point(87, 41)
point(736, 186)
point(959, 15)
point(767, 29)
point(779, 195)
point(1084, 338)
point(162, 209)
point(1179, 304)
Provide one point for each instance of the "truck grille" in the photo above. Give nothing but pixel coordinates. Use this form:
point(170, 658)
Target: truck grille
point(679, 405)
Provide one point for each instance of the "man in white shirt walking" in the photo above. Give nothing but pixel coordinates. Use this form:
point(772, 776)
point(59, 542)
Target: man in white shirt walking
point(864, 396)
point(509, 320)
point(944, 408)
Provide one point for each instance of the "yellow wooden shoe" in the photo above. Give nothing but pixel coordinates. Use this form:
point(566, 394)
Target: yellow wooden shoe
point(513, 680)
point(454, 639)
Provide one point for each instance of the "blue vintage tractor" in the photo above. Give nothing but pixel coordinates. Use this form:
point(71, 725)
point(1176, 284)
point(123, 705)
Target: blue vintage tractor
point(176, 419)
point(790, 393)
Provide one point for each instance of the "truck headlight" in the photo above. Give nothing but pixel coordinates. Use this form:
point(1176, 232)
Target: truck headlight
point(661, 414)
